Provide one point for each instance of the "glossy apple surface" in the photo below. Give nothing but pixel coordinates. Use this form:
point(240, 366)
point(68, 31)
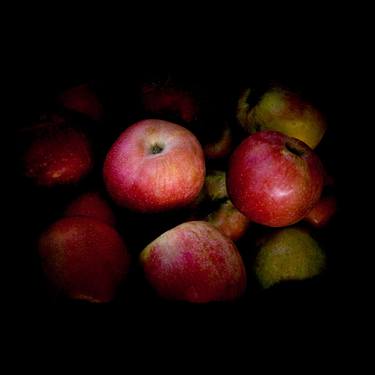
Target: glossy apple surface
point(83, 259)
point(194, 262)
point(284, 111)
point(288, 254)
point(274, 179)
point(154, 166)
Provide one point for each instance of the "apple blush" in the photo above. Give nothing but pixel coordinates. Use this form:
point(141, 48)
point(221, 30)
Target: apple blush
point(273, 179)
point(194, 262)
point(154, 166)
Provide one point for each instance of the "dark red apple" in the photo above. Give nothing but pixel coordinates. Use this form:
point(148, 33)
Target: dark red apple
point(83, 259)
point(154, 166)
point(58, 155)
point(91, 205)
point(322, 212)
point(194, 262)
point(273, 179)
point(82, 99)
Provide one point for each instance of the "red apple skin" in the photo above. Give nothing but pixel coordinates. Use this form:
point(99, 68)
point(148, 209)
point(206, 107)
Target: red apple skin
point(269, 183)
point(83, 259)
point(194, 262)
point(91, 205)
point(58, 156)
point(83, 100)
point(154, 166)
point(160, 100)
point(322, 212)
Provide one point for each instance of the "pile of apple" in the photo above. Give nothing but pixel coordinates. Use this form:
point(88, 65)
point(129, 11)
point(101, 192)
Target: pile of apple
point(161, 163)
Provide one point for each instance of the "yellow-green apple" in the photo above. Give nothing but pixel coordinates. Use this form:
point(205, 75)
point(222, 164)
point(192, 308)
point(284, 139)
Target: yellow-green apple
point(82, 99)
point(273, 179)
point(83, 258)
point(322, 212)
point(284, 111)
point(221, 147)
point(58, 155)
point(154, 166)
point(194, 262)
point(93, 205)
point(215, 185)
point(288, 254)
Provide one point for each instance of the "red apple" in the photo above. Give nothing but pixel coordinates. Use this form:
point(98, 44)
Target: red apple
point(322, 212)
point(83, 259)
point(221, 147)
point(58, 155)
point(154, 166)
point(91, 205)
point(83, 100)
point(194, 262)
point(274, 179)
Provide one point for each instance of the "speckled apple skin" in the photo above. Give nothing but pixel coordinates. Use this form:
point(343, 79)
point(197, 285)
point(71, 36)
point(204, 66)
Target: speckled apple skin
point(145, 182)
point(194, 262)
point(83, 258)
point(271, 185)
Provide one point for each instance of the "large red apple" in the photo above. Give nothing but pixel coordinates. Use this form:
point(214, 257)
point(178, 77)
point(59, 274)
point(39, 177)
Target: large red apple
point(83, 258)
point(154, 166)
point(194, 262)
point(274, 179)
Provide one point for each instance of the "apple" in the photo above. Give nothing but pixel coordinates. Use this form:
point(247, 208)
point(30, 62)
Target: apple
point(284, 111)
point(169, 100)
point(229, 221)
point(215, 185)
point(154, 166)
point(194, 262)
point(288, 254)
point(82, 99)
point(220, 148)
point(322, 212)
point(83, 258)
point(273, 179)
point(92, 205)
point(57, 155)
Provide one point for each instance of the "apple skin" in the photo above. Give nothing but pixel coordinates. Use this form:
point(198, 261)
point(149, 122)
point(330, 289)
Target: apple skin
point(58, 155)
point(284, 111)
point(274, 179)
point(288, 254)
point(322, 212)
point(83, 259)
point(221, 148)
point(194, 262)
point(92, 205)
point(229, 221)
point(83, 100)
point(154, 166)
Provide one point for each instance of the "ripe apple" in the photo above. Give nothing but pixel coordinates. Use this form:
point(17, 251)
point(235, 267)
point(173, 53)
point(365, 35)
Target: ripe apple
point(274, 179)
point(154, 166)
point(83, 258)
point(58, 155)
point(288, 254)
point(284, 111)
point(83, 100)
point(221, 147)
point(92, 205)
point(194, 262)
point(229, 221)
point(322, 212)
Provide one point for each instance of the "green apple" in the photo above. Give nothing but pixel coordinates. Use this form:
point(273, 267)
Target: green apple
point(288, 254)
point(281, 110)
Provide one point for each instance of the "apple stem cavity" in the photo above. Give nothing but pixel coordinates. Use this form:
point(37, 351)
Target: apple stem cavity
point(294, 149)
point(156, 149)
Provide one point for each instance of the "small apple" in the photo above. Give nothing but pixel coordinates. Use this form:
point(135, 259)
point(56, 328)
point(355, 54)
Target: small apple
point(82, 99)
point(83, 258)
point(215, 185)
point(92, 205)
point(58, 155)
point(288, 254)
point(221, 147)
point(273, 179)
point(154, 166)
point(322, 212)
point(284, 111)
point(229, 221)
point(194, 262)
